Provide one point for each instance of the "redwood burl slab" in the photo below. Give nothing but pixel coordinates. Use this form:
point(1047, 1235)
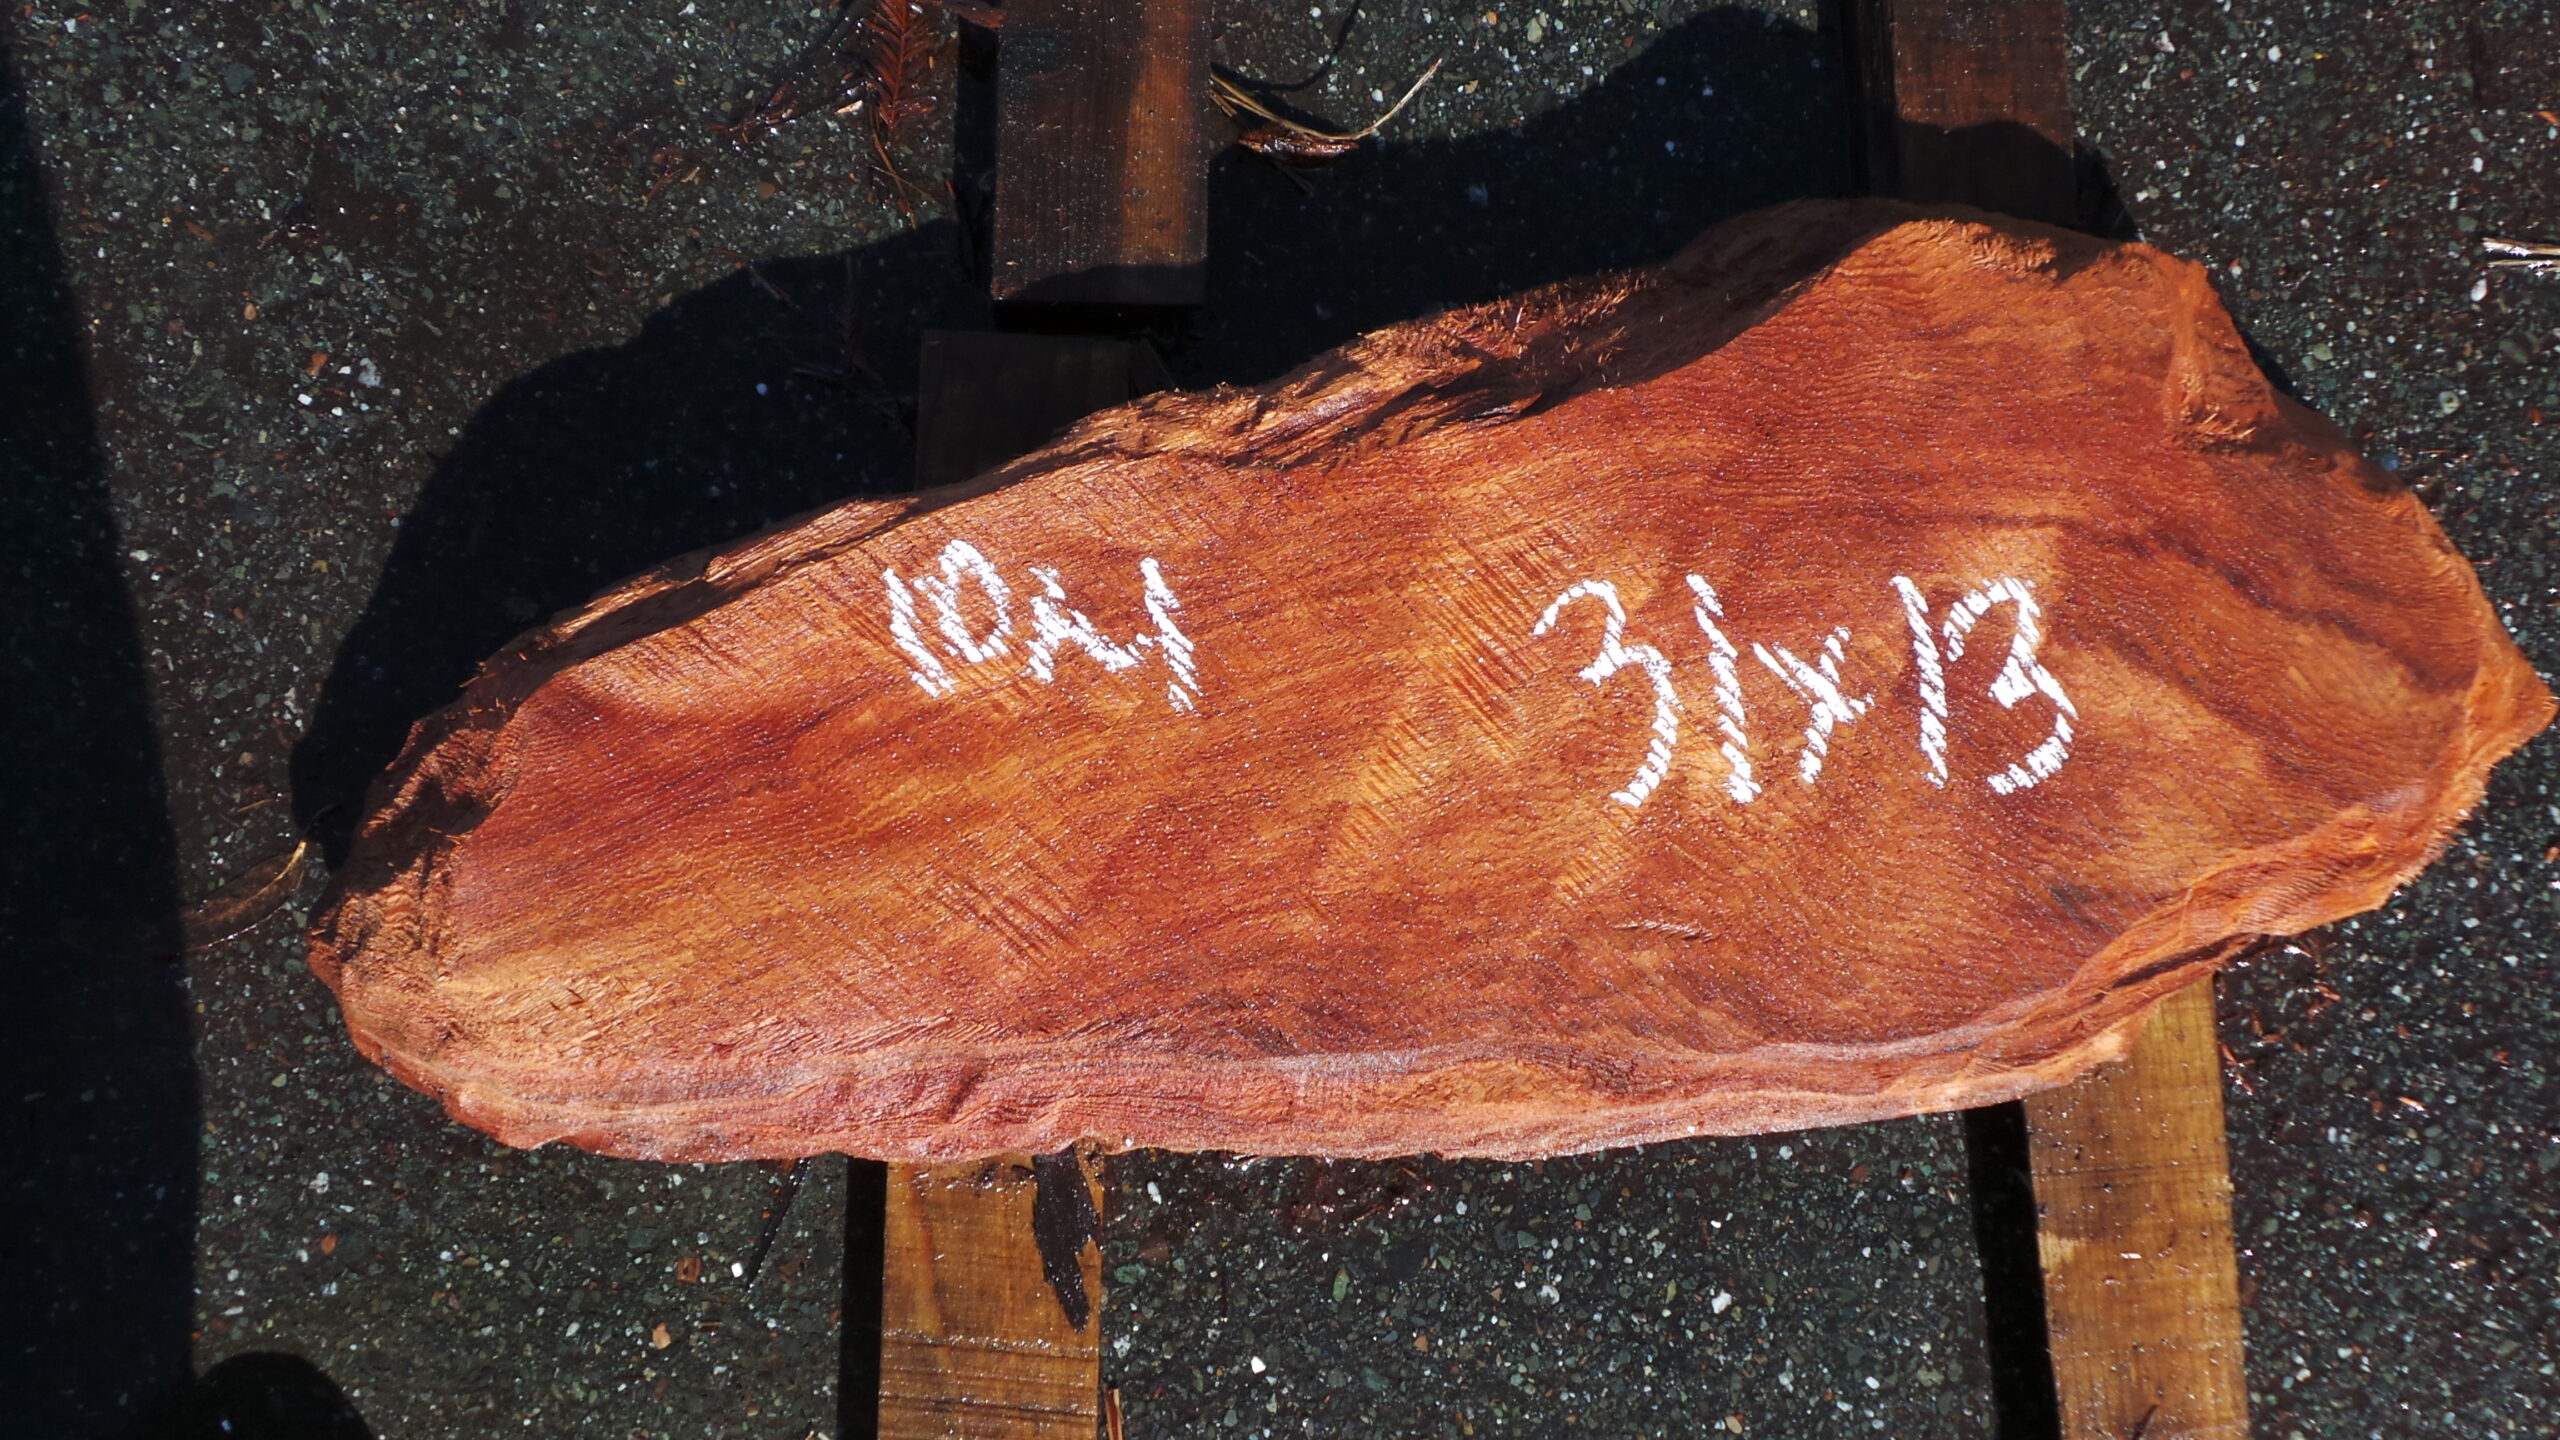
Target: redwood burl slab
point(1850, 670)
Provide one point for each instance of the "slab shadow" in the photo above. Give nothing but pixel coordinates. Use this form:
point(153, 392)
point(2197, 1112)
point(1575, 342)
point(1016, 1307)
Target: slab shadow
point(1726, 113)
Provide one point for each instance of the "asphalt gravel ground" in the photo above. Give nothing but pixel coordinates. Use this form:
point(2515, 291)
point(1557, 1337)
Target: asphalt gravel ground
point(345, 341)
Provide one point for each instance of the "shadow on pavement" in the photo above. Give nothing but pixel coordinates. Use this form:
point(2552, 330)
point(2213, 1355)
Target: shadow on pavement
point(1724, 114)
point(97, 1233)
point(765, 395)
point(260, 1396)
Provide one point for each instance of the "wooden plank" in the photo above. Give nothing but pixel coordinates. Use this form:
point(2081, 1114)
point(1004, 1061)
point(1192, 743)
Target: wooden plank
point(1969, 101)
point(1101, 165)
point(1067, 837)
point(973, 1343)
point(2133, 1190)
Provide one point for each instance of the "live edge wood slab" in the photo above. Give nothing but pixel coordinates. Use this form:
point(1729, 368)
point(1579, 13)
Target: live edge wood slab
point(1850, 670)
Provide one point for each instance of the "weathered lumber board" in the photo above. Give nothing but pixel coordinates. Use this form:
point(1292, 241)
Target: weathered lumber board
point(1848, 671)
point(2133, 1191)
point(972, 1342)
point(1100, 201)
point(1104, 98)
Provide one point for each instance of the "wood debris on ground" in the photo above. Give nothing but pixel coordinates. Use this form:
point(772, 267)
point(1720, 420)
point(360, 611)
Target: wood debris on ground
point(2525, 256)
point(1290, 139)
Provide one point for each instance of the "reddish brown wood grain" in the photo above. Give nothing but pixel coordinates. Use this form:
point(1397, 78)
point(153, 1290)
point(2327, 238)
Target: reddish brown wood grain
point(738, 861)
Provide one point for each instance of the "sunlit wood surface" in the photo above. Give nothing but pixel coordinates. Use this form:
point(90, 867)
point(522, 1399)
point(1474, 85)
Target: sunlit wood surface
point(1847, 671)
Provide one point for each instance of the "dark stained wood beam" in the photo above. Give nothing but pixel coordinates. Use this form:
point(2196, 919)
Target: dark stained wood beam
point(1100, 173)
point(2133, 1185)
point(1967, 101)
point(973, 1342)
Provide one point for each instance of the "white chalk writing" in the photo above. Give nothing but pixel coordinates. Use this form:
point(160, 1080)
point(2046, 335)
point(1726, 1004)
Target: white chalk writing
point(1183, 689)
point(1818, 685)
point(972, 607)
point(1615, 655)
point(1933, 680)
point(929, 670)
point(1722, 662)
point(1055, 625)
point(2020, 676)
point(1817, 682)
point(961, 561)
